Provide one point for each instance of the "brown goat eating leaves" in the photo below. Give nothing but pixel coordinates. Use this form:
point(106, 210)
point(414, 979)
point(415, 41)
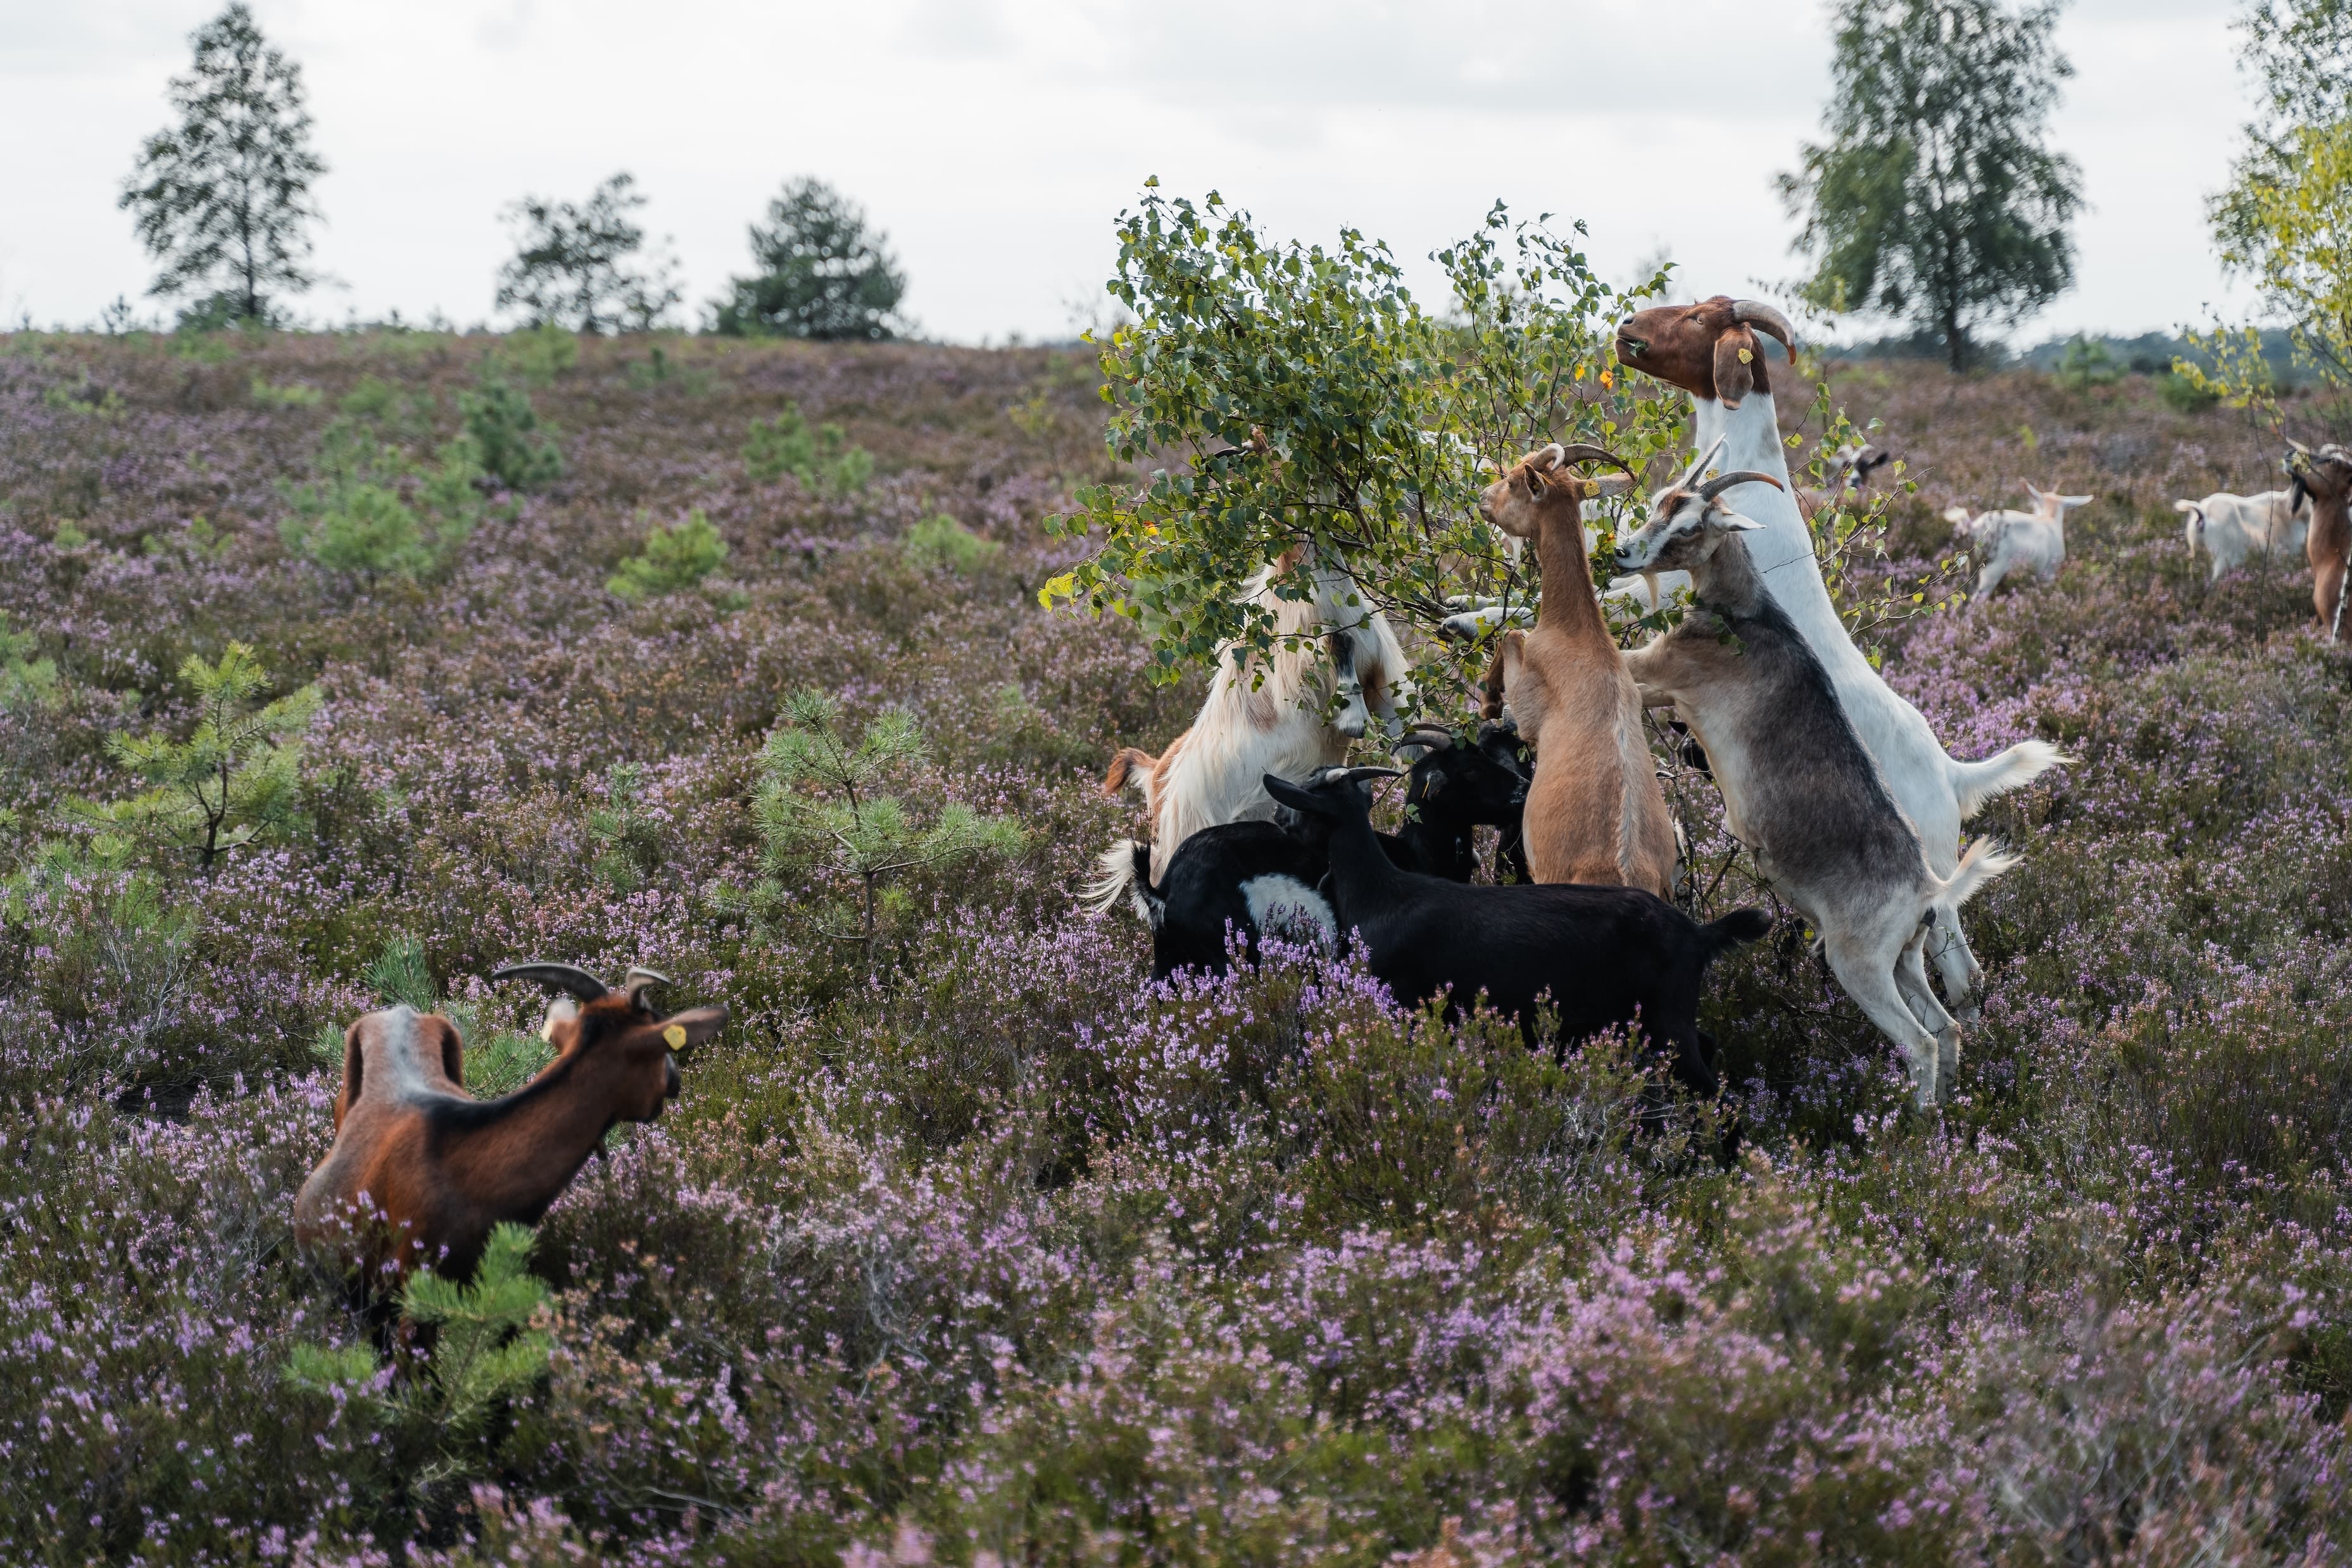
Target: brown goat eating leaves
point(420, 1170)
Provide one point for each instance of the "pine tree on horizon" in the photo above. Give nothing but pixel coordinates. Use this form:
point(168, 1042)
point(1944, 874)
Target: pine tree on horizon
point(223, 199)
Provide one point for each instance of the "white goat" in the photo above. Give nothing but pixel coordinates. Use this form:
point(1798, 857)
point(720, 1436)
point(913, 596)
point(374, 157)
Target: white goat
point(2232, 527)
point(1798, 790)
point(1336, 667)
point(1710, 350)
point(2007, 541)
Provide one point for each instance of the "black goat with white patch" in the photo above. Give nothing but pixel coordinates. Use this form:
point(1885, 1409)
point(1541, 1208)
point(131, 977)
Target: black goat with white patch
point(1246, 876)
point(1602, 957)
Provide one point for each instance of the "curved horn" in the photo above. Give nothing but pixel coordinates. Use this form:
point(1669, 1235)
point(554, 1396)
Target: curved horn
point(641, 980)
point(1428, 736)
point(1586, 452)
point(2298, 445)
point(1691, 476)
point(1358, 775)
point(569, 979)
point(1766, 319)
point(1722, 482)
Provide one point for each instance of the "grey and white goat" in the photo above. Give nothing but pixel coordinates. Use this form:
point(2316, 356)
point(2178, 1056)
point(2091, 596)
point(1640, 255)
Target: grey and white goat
point(1798, 788)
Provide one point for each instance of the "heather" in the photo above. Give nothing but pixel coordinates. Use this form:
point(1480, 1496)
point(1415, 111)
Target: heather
point(962, 1243)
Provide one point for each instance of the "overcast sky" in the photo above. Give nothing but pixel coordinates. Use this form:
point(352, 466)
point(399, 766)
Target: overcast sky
point(996, 140)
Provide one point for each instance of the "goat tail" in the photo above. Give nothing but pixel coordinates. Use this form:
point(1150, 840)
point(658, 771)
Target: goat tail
point(1974, 783)
point(2194, 531)
point(1736, 929)
point(1129, 769)
point(1126, 873)
point(1979, 863)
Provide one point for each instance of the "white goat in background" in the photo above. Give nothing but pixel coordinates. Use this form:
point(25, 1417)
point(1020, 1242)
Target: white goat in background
point(1336, 667)
point(2232, 527)
point(2008, 541)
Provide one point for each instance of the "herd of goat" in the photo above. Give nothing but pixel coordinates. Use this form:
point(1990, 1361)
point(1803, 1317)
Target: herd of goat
point(1848, 806)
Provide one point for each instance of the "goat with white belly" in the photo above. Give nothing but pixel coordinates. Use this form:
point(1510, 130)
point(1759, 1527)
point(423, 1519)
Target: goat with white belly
point(2007, 541)
point(1800, 789)
point(1711, 350)
point(1336, 667)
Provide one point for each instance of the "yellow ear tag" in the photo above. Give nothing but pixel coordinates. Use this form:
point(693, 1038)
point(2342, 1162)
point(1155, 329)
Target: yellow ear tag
point(675, 1036)
point(1746, 357)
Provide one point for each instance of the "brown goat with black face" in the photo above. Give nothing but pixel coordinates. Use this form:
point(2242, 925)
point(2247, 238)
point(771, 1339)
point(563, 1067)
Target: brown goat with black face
point(420, 1170)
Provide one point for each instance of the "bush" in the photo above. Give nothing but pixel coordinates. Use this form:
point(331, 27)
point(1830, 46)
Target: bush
point(941, 542)
point(506, 432)
point(822, 460)
point(2186, 394)
point(674, 560)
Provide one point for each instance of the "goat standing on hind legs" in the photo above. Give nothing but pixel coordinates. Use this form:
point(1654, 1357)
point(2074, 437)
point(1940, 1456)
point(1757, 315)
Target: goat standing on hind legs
point(1594, 811)
point(420, 1170)
point(1800, 789)
point(2325, 475)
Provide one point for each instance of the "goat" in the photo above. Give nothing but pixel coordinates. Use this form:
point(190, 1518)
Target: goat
point(2324, 476)
point(440, 1168)
point(1852, 469)
point(1711, 350)
point(1601, 957)
point(2007, 541)
point(1209, 774)
point(1243, 879)
point(2232, 528)
point(1594, 813)
point(1800, 789)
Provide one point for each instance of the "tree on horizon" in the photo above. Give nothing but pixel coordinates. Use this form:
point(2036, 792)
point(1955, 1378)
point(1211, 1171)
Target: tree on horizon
point(1935, 198)
point(824, 274)
point(223, 199)
point(574, 266)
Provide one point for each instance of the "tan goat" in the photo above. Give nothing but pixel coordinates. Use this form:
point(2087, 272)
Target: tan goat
point(1594, 811)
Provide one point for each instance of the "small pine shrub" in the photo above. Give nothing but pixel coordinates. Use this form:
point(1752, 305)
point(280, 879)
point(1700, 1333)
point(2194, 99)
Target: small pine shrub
point(675, 558)
point(941, 542)
point(506, 430)
point(821, 459)
point(535, 356)
point(267, 395)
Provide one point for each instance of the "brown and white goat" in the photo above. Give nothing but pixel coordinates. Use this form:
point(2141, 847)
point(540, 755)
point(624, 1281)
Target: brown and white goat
point(2325, 475)
point(1594, 810)
point(420, 1170)
point(1336, 667)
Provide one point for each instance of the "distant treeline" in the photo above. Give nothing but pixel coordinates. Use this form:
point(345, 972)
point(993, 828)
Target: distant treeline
point(2151, 353)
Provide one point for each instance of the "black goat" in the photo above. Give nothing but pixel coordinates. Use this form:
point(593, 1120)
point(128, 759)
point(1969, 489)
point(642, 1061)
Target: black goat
point(1454, 789)
point(1238, 873)
point(1604, 955)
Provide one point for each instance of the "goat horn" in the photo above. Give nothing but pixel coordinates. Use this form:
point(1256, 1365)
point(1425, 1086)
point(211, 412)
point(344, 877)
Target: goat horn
point(640, 981)
point(1756, 313)
point(1586, 452)
point(2298, 445)
point(1691, 476)
point(1722, 482)
point(1425, 735)
point(570, 979)
point(1357, 774)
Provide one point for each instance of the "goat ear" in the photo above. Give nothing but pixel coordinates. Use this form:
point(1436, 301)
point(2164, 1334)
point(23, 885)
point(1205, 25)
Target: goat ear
point(1735, 366)
point(1956, 516)
point(1607, 484)
point(453, 1052)
point(1537, 485)
point(683, 1031)
point(1733, 523)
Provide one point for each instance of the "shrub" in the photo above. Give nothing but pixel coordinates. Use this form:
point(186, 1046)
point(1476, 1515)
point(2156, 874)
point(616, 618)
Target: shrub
point(674, 560)
point(822, 460)
point(2186, 394)
point(375, 512)
point(941, 542)
point(512, 447)
point(232, 781)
